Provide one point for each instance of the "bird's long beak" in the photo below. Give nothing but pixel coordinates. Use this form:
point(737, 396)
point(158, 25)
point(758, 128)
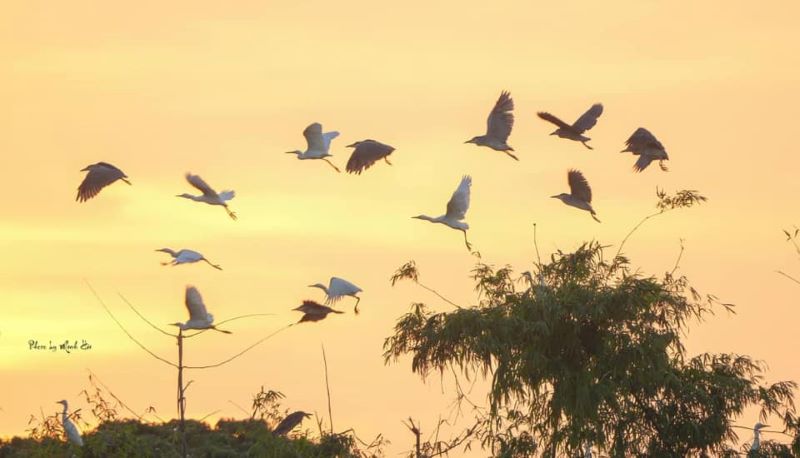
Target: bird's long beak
point(468, 141)
point(85, 169)
point(290, 152)
point(352, 145)
point(554, 197)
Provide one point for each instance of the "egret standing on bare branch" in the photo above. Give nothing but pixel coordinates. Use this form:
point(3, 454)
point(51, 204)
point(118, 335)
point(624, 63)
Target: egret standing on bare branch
point(318, 144)
point(498, 126)
point(645, 145)
point(209, 195)
point(70, 429)
point(456, 209)
point(338, 288)
point(289, 423)
point(313, 311)
point(199, 318)
point(580, 195)
point(100, 175)
point(185, 256)
point(576, 130)
point(366, 153)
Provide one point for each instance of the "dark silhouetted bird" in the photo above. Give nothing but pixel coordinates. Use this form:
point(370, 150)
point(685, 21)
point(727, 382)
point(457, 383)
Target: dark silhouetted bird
point(367, 153)
point(580, 195)
point(645, 145)
point(576, 130)
point(100, 175)
point(313, 311)
point(290, 422)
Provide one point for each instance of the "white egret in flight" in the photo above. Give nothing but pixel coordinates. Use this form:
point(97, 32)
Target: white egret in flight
point(318, 144)
point(209, 195)
point(366, 153)
point(580, 195)
point(576, 130)
point(498, 126)
point(757, 436)
point(100, 175)
point(456, 209)
point(645, 145)
point(290, 422)
point(199, 318)
point(185, 256)
point(338, 288)
point(313, 311)
point(70, 429)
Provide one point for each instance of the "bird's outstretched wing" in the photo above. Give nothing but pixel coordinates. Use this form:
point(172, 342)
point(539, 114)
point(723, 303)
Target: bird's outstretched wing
point(459, 202)
point(339, 287)
point(327, 137)
point(227, 195)
point(550, 118)
point(642, 163)
point(195, 305)
point(201, 185)
point(367, 153)
point(642, 140)
point(501, 119)
point(578, 186)
point(313, 134)
point(588, 119)
point(100, 176)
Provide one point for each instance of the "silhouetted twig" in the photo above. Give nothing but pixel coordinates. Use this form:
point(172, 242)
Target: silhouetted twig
point(327, 387)
point(241, 352)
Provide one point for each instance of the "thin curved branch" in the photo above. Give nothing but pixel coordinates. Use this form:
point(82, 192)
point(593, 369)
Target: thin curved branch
point(143, 318)
point(150, 352)
point(241, 352)
point(622, 244)
point(788, 276)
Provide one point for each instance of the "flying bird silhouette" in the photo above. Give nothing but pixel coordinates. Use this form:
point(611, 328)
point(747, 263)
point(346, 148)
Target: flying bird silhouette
point(338, 288)
point(367, 153)
point(576, 130)
point(456, 210)
point(580, 195)
point(313, 311)
point(100, 175)
point(645, 145)
point(199, 318)
point(318, 144)
point(209, 195)
point(290, 422)
point(498, 126)
point(185, 256)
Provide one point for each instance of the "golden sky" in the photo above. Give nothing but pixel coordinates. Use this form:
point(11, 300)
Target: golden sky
point(222, 90)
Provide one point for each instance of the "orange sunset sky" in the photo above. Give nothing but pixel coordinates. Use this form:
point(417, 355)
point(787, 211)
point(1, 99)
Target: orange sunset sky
point(222, 89)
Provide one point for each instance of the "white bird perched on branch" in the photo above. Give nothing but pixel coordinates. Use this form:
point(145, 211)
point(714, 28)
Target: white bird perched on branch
point(498, 126)
point(199, 318)
point(647, 147)
point(580, 195)
point(338, 288)
point(366, 153)
point(456, 209)
point(318, 144)
point(209, 195)
point(757, 436)
point(185, 256)
point(70, 429)
point(576, 130)
point(100, 175)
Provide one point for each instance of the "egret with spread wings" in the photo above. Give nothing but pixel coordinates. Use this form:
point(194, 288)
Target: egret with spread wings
point(199, 318)
point(338, 288)
point(498, 126)
point(367, 153)
point(185, 256)
point(580, 195)
point(576, 130)
point(100, 175)
point(209, 196)
point(318, 144)
point(456, 210)
point(645, 145)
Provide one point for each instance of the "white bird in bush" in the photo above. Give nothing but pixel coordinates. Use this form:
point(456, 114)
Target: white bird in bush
point(70, 429)
point(338, 288)
point(456, 210)
point(757, 436)
point(199, 318)
point(185, 256)
point(318, 144)
point(209, 196)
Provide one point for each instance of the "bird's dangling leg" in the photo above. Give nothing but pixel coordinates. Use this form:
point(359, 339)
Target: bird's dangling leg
point(216, 266)
point(595, 217)
point(230, 213)
point(512, 156)
point(663, 166)
point(126, 181)
point(387, 160)
point(586, 145)
point(355, 309)
point(466, 242)
point(221, 330)
point(331, 164)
